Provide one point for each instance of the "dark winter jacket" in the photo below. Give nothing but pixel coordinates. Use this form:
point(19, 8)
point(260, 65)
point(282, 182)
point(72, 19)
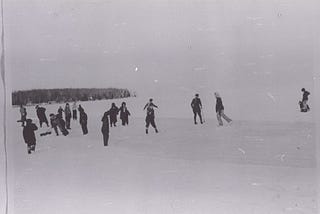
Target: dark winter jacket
point(41, 112)
point(28, 133)
point(305, 95)
point(67, 111)
point(114, 110)
point(150, 111)
point(219, 105)
point(83, 117)
point(54, 121)
point(105, 123)
point(196, 104)
point(124, 113)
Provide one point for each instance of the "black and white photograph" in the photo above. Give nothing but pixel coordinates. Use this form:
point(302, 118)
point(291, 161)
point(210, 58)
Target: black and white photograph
point(160, 107)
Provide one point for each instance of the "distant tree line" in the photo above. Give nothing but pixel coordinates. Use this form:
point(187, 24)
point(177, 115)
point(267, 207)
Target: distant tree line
point(66, 95)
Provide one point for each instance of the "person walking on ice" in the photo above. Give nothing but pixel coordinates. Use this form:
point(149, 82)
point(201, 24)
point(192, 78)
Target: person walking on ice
point(304, 107)
point(23, 112)
point(74, 110)
point(150, 115)
point(41, 113)
point(220, 110)
point(124, 114)
point(83, 121)
point(29, 136)
point(67, 114)
point(105, 128)
point(196, 107)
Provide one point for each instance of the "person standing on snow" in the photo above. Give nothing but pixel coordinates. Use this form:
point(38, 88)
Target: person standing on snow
point(60, 110)
point(220, 110)
point(150, 115)
point(29, 135)
point(124, 114)
point(41, 113)
point(74, 110)
point(114, 110)
point(196, 107)
point(23, 113)
point(105, 128)
point(304, 103)
point(83, 119)
point(67, 114)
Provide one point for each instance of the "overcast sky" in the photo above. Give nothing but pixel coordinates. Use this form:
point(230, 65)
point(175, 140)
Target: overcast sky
point(157, 46)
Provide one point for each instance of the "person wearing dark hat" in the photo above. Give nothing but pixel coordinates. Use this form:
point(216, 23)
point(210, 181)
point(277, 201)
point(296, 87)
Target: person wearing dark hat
point(150, 115)
point(124, 114)
point(114, 110)
point(29, 135)
point(83, 119)
point(105, 128)
point(196, 108)
point(41, 113)
point(304, 107)
point(74, 110)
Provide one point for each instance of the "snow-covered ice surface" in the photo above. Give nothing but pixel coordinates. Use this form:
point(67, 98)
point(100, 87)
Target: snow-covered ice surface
point(247, 167)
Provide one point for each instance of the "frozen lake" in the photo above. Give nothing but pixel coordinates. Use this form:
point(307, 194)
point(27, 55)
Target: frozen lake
point(248, 167)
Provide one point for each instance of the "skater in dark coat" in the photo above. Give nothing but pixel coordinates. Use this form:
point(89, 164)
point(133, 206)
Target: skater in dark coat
point(196, 108)
point(105, 128)
point(83, 121)
point(62, 126)
point(114, 110)
point(150, 115)
point(29, 135)
point(304, 107)
point(74, 111)
point(54, 121)
point(67, 114)
point(220, 110)
point(23, 113)
point(41, 113)
point(60, 110)
point(124, 114)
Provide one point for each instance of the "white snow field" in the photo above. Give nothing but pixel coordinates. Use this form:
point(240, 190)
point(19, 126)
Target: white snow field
point(256, 167)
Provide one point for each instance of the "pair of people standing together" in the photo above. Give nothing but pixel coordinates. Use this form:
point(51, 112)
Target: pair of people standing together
point(196, 106)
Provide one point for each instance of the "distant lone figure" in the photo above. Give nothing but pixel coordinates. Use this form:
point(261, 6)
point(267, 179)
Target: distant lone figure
point(83, 121)
point(304, 107)
point(23, 113)
point(150, 115)
point(124, 114)
point(196, 107)
point(74, 110)
point(113, 114)
point(29, 136)
point(41, 113)
point(105, 128)
point(220, 110)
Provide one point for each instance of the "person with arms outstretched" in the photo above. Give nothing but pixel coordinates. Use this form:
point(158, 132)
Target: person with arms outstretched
point(150, 115)
point(196, 106)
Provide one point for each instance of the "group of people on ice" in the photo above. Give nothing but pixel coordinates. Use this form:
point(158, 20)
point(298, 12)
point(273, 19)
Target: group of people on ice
point(109, 118)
